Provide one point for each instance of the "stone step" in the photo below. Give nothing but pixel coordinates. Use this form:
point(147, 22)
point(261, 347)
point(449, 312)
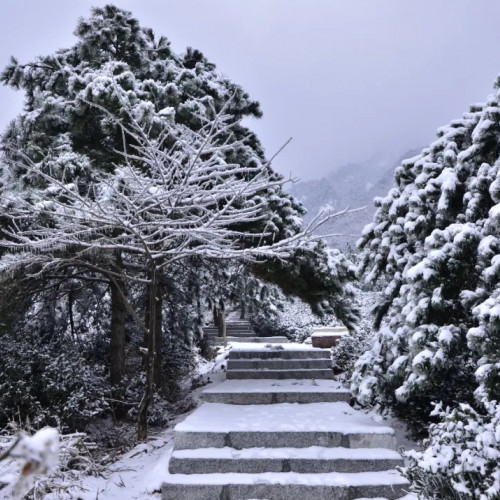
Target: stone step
point(284, 353)
point(285, 425)
point(251, 392)
point(268, 398)
point(285, 486)
point(215, 333)
point(234, 326)
point(271, 439)
point(230, 326)
point(278, 364)
point(257, 340)
point(304, 460)
point(235, 331)
point(311, 373)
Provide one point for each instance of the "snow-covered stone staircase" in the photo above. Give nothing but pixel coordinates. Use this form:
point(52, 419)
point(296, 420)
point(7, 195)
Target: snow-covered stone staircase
point(238, 330)
point(281, 438)
point(279, 363)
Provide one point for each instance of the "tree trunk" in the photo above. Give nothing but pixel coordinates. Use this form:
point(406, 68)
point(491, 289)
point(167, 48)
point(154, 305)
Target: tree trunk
point(147, 315)
point(117, 340)
point(70, 314)
point(221, 323)
point(158, 335)
point(154, 333)
point(216, 316)
point(242, 309)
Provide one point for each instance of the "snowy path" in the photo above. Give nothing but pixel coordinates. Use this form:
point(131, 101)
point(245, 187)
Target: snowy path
point(249, 447)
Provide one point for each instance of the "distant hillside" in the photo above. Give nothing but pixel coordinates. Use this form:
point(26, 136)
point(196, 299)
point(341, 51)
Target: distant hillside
point(353, 185)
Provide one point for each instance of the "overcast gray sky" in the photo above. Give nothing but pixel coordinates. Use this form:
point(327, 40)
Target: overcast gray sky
point(347, 79)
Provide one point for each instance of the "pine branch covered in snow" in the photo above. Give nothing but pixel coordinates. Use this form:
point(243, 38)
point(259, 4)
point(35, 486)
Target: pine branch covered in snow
point(161, 204)
point(462, 456)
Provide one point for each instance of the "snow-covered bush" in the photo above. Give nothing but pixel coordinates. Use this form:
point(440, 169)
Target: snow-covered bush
point(462, 457)
point(49, 384)
point(350, 347)
point(178, 366)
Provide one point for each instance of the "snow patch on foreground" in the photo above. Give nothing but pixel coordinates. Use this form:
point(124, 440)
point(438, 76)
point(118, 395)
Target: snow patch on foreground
point(138, 475)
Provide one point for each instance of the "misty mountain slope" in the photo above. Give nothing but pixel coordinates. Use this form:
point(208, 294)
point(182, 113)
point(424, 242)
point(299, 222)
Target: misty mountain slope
point(354, 185)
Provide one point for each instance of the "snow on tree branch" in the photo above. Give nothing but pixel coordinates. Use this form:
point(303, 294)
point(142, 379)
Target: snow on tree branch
point(173, 196)
point(39, 456)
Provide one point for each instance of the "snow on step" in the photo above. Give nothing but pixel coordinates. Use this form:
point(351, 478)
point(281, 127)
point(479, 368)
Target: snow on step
point(340, 417)
point(257, 386)
point(275, 391)
point(314, 459)
point(281, 425)
point(312, 452)
point(285, 486)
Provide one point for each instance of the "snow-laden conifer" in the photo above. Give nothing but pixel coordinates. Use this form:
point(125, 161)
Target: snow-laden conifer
point(435, 238)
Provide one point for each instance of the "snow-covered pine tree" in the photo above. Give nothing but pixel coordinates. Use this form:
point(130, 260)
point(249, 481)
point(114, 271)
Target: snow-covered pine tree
point(70, 96)
point(435, 238)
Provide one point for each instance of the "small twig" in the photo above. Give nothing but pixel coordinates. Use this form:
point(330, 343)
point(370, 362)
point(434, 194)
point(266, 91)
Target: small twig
point(7, 453)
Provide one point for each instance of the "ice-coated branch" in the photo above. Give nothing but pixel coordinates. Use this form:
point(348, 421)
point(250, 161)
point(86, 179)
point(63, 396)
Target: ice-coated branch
point(38, 455)
point(174, 196)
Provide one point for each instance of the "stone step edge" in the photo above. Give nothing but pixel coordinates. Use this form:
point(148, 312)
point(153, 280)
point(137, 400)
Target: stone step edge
point(251, 340)
point(344, 479)
point(269, 353)
point(244, 335)
point(267, 371)
point(262, 339)
point(275, 364)
point(334, 392)
point(273, 360)
point(278, 370)
point(266, 398)
point(282, 439)
point(180, 465)
point(310, 453)
point(279, 491)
